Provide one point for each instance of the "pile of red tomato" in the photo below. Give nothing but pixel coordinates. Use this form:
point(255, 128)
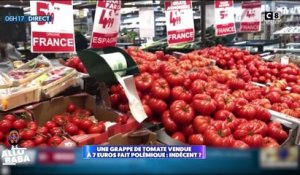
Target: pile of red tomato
point(74, 121)
point(201, 104)
point(261, 71)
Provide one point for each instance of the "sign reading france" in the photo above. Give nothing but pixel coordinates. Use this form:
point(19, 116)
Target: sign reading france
point(187, 152)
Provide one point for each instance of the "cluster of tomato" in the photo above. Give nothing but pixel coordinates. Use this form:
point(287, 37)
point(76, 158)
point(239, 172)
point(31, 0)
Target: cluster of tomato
point(198, 104)
point(74, 121)
point(75, 62)
point(261, 71)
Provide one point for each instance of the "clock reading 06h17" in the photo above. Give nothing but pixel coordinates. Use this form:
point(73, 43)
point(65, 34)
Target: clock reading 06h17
point(34, 18)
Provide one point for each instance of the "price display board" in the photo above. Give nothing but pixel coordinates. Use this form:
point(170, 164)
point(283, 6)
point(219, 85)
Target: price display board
point(251, 16)
point(106, 23)
point(224, 18)
point(180, 21)
point(56, 36)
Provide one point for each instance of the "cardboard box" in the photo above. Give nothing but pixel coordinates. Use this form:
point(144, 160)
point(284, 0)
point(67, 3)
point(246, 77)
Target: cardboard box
point(44, 111)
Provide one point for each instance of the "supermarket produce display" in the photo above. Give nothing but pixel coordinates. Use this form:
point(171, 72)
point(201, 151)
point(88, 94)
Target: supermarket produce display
point(229, 104)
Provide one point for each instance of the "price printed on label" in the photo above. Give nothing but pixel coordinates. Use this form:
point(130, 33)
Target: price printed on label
point(251, 16)
point(180, 23)
point(224, 18)
point(56, 35)
point(106, 24)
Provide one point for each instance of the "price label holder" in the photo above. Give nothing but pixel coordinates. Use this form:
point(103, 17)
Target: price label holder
point(290, 122)
point(114, 65)
point(284, 60)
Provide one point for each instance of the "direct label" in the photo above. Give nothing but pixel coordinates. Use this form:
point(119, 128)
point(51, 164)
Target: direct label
point(106, 24)
point(179, 21)
point(224, 18)
point(56, 36)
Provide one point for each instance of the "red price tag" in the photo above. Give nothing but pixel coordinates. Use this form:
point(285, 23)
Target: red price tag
point(43, 10)
point(106, 22)
point(174, 19)
point(223, 14)
point(250, 13)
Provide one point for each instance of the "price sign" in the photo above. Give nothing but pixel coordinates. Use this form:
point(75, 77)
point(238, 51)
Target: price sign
point(180, 21)
point(106, 23)
point(56, 36)
point(224, 18)
point(251, 16)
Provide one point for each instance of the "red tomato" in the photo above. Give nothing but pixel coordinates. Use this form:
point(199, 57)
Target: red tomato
point(54, 141)
point(10, 117)
point(158, 106)
point(254, 140)
point(116, 89)
point(114, 100)
point(224, 115)
point(198, 87)
point(39, 139)
point(160, 89)
point(19, 124)
point(225, 101)
point(262, 114)
point(32, 125)
point(250, 128)
point(159, 54)
point(96, 129)
point(27, 144)
point(279, 106)
point(181, 112)
point(154, 67)
point(86, 124)
point(201, 123)
point(56, 131)
point(269, 142)
point(295, 89)
point(81, 132)
point(236, 83)
point(169, 125)
point(148, 111)
point(71, 108)
point(248, 112)
point(123, 108)
point(42, 130)
point(187, 130)
point(238, 55)
point(218, 134)
point(204, 105)
point(50, 124)
point(240, 144)
point(277, 133)
point(27, 134)
point(1, 136)
point(5, 126)
point(143, 81)
point(180, 93)
point(196, 139)
point(179, 136)
point(71, 129)
point(274, 97)
point(175, 77)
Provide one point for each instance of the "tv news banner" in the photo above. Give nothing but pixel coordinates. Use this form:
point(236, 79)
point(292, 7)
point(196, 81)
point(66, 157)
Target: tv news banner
point(179, 21)
point(224, 18)
point(190, 152)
